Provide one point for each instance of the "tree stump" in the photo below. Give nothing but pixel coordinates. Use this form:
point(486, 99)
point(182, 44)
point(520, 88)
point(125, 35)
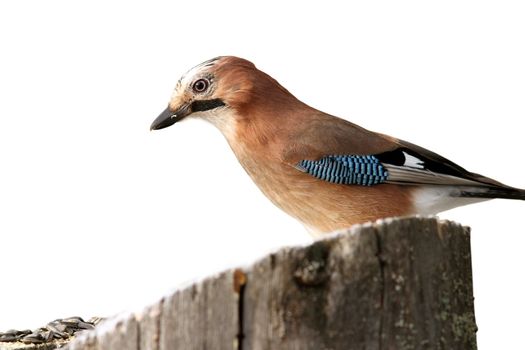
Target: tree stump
point(394, 284)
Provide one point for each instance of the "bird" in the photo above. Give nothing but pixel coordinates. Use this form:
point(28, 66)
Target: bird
point(325, 171)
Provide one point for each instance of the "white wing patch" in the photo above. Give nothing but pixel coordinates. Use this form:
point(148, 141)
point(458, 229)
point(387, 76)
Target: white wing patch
point(413, 162)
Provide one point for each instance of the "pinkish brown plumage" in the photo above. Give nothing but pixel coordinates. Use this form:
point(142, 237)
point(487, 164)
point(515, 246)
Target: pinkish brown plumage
point(288, 149)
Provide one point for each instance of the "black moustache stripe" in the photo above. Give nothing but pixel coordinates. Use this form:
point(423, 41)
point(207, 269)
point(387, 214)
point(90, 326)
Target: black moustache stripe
point(206, 105)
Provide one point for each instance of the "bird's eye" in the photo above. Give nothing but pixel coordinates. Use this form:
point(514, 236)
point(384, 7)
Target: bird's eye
point(200, 85)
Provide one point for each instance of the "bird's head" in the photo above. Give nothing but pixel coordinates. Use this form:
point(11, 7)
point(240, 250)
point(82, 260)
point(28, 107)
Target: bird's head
point(223, 90)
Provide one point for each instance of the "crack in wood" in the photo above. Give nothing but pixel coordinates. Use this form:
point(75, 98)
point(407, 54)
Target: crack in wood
point(240, 333)
point(382, 291)
point(158, 328)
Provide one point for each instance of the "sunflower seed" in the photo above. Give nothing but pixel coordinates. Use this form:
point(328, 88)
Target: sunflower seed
point(85, 325)
point(8, 337)
point(34, 338)
point(73, 321)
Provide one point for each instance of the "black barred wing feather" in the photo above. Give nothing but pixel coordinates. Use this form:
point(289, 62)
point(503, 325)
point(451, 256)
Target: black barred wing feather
point(346, 169)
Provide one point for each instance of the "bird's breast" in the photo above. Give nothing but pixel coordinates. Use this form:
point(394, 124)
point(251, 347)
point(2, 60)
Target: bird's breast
point(319, 205)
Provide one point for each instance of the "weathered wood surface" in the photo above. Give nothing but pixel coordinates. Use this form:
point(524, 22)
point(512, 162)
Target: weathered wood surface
point(400, 284)
point(395, 284)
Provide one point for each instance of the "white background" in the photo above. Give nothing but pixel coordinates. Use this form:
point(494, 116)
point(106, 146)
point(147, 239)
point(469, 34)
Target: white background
point(99, 215)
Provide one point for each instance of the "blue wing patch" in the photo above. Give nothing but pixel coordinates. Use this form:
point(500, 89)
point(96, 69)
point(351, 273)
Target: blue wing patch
point(347, 170)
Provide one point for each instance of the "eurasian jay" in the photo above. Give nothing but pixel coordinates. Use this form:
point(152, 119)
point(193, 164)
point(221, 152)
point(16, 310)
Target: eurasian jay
point(322, 170)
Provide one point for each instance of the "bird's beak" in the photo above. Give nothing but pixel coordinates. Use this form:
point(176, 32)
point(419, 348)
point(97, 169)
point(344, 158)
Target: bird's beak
point(169, 117)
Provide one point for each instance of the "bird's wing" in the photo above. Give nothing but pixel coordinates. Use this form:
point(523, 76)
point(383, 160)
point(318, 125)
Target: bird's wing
point(405, 166)
point(341, 152)
point(396, 167)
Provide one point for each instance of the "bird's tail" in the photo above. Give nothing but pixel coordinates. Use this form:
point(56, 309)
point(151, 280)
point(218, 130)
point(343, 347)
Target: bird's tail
point(493, 192)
